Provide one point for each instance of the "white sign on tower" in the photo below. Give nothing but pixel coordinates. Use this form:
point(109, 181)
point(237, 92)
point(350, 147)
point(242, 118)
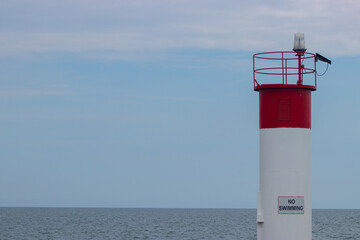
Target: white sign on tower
point(291, 205)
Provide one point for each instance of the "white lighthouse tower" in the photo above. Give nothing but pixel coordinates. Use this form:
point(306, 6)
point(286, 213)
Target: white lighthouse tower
point(285, 81)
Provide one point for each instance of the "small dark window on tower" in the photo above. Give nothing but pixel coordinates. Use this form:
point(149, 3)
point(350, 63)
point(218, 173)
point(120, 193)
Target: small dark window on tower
point(284, 106)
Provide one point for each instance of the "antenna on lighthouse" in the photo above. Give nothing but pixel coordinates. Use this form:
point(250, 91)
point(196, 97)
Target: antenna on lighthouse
point(300, 49)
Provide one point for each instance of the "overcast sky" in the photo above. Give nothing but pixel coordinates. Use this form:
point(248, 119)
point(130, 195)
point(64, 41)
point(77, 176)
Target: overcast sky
point(135, 103)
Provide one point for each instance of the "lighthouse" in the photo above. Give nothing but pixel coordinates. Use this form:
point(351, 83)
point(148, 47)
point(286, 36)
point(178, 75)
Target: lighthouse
point(285, 81)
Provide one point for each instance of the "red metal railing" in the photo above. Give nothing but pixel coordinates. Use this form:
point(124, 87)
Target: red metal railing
point(284, 69)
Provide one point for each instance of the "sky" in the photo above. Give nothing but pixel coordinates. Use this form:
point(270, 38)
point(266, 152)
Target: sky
point(133, 103)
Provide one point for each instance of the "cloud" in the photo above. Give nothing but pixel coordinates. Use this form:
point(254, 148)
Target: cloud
point(138, 26)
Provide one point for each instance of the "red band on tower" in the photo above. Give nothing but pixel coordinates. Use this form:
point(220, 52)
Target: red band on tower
point(285, 108)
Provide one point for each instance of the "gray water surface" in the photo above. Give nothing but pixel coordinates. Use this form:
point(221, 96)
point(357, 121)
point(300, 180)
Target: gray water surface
point(158, 224)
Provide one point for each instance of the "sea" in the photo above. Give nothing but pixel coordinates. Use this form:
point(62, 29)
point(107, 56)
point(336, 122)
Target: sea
point(157, 224)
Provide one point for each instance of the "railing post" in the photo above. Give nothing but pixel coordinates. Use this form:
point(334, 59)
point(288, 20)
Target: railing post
point(282, 66)
point(286, 75)
point(299, 66)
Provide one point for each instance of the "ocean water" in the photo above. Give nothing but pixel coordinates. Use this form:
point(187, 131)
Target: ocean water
point(158, 224)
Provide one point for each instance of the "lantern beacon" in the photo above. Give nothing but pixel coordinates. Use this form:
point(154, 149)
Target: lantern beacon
point(285, 81)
